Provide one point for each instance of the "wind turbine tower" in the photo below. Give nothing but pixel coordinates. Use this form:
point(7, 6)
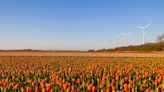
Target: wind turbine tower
point(144, 29)
point(125, 37)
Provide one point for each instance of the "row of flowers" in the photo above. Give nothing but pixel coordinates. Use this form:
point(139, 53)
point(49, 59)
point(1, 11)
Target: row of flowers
point(81, 74)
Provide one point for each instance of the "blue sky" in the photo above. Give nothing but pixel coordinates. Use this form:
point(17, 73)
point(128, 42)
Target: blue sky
point(77, 24)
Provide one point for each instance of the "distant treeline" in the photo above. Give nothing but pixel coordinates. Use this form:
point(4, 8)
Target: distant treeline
point(31, 50)
point(145, 47)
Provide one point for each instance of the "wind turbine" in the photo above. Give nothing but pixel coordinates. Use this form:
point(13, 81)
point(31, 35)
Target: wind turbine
point(144, 29)
point(109, 43)
point(105, 44)
point(125, 37)
point(117, 40)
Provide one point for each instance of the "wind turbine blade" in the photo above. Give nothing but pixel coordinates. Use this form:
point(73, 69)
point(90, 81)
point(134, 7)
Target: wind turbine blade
point(146, 26)
point(140, 27)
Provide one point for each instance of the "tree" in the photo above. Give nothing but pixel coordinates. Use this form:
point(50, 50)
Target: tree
point(160, 38)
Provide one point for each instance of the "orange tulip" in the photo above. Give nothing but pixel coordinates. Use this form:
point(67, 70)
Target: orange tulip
point(48, 87)
point(162, 86)
point(1, 83)
point(94, 89)
point(22, 89)
point(90, 87)
point(36, 89)
point(33, 84)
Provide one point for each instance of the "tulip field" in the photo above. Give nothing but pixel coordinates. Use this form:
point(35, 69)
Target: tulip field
point(81, 74)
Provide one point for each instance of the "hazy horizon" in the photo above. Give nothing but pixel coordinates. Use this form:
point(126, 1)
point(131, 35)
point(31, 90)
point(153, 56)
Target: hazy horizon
point(77, 24)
